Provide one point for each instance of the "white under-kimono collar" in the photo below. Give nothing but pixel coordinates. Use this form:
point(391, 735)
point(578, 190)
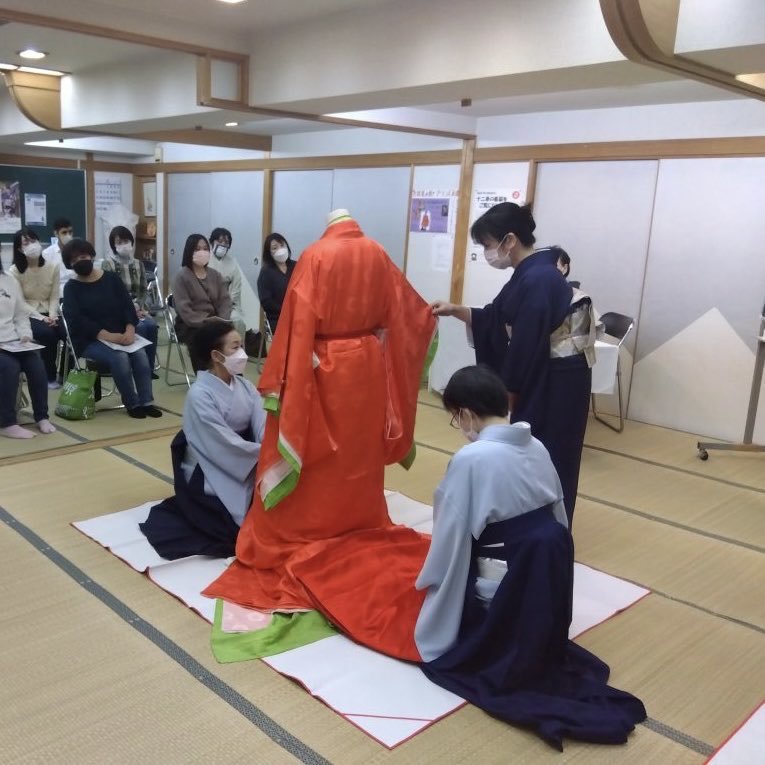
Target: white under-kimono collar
point(518, 434)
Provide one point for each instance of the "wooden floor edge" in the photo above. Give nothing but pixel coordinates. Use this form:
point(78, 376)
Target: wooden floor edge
point(65, 451)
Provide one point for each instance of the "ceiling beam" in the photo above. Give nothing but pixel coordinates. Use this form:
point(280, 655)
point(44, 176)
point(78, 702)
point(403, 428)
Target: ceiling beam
point(644, 31)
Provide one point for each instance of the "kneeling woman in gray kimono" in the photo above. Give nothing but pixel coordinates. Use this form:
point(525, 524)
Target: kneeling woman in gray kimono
point(214, 456)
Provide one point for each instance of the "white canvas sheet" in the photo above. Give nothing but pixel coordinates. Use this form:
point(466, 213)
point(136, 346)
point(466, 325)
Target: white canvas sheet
point(388, 699)
point(745, 746)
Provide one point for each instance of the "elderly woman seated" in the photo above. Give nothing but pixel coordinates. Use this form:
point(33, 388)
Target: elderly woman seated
point(215, 455)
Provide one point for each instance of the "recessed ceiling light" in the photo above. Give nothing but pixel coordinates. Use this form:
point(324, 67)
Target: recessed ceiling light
point(233, 2)
point(232, 124)
point(32, 53)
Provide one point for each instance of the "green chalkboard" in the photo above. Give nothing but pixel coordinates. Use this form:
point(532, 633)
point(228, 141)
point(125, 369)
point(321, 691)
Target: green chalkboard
point(64, 196)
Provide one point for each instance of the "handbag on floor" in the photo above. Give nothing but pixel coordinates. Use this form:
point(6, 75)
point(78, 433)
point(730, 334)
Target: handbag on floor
point(77, 401)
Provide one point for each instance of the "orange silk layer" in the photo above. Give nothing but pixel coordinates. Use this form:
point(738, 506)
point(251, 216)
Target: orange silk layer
point(345, 364)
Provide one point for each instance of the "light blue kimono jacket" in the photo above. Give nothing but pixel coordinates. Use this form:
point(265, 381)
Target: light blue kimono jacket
point(213, 416)
point(503, 474)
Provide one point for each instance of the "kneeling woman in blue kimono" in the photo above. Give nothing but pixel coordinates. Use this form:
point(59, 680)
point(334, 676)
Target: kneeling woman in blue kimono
point(214, 456)
point(488, 612)
point(499, 582)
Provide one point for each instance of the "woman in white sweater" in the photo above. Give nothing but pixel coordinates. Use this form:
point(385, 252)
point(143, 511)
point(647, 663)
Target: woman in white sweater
point(40, 285)
point(15, 328)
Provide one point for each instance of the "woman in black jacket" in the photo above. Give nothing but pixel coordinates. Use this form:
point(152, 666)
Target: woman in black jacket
point(275, 272)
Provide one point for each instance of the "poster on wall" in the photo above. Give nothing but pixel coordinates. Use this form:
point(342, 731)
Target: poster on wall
point(432, 211)
point(10, 207)
point(150, 199)
point(35, 210)
point(108, 193)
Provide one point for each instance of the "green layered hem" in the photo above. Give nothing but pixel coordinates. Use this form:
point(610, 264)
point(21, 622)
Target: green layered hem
point(286, 631)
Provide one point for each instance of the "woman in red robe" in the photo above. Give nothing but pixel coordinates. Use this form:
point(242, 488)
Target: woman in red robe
point(340, 386)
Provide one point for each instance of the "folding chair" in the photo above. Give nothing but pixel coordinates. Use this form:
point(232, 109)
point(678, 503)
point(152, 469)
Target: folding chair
point(169, 316)
point(92, 365)
point(155, 303)
point(266, 337)
point(618, 326)
point(23, 404)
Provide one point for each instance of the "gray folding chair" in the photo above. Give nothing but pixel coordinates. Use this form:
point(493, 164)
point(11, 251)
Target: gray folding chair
point(266, 337)
point(172, 336)
point(618, 326)
point(102, 371)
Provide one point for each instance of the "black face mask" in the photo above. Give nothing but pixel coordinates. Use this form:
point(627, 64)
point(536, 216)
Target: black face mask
point(83, 267)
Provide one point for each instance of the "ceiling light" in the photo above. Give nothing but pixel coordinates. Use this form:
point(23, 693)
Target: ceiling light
point(36, 70)
point(232, 124)
point(32, 53)
point(233, 2)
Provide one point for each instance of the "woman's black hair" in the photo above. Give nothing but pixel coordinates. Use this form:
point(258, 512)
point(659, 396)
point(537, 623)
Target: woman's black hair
point(76, 247)
point(562, 256)
point(208, 338)
point(19, 258)
point(268, 258)
point(478, 389)
point(220, 232)
point(502, 219)
point(190, 248)
point(122, 233)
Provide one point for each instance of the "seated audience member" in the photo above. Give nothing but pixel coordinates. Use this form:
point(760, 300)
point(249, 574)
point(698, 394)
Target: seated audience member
point(15, 327)
point(499, 582)
point(225, 264)
point(198, 291)
point(215, 455)
point(275, 272)
point(563, 263)
point(98, 307)
point(39, 283)
point(62, 230)
point(123, 262)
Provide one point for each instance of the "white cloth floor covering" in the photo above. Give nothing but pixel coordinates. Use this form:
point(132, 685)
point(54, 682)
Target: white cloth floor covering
point(745, 746)
point(390, 700)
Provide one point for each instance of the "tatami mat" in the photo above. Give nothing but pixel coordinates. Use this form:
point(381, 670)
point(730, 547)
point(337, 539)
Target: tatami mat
point(79, 677)
point(80, 687)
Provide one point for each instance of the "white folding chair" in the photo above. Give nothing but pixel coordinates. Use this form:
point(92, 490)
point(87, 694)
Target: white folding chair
point(618, 326)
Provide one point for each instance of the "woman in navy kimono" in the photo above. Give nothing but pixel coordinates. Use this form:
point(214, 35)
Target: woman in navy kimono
point(538, 334)
point(215, 455)
point(499, 581)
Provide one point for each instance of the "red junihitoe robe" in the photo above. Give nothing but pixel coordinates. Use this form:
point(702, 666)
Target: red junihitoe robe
point(340, 384)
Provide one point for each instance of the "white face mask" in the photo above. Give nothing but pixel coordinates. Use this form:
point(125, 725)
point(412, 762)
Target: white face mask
point(470, 433)
point(32, 250)
point(201, 257)
point(220, 250)
point(235, 362)
point(495, 259)
point(63, 239)
point(281, 255)
point(125, 251)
